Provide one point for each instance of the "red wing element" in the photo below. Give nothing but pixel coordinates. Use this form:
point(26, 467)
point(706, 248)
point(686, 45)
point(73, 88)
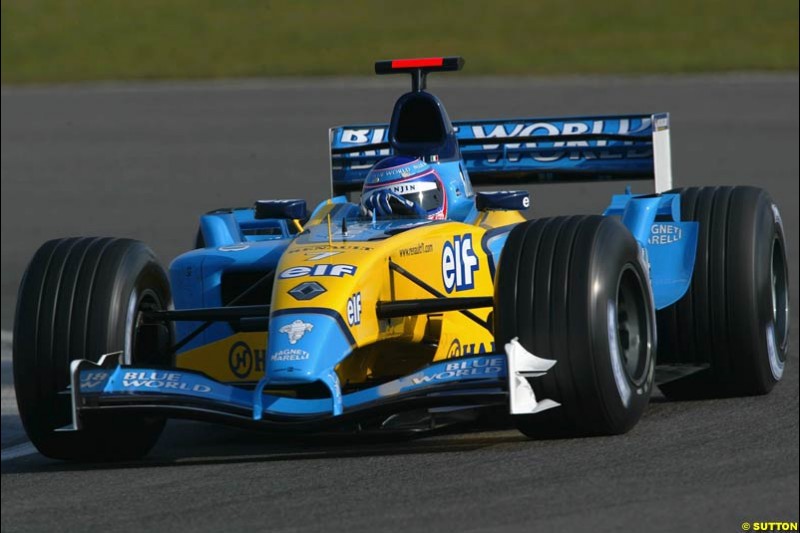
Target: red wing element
point(417, 63)
point(419, 68)
point(425, 64)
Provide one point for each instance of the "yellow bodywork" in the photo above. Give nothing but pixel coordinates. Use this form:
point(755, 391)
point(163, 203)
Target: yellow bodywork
point(388, 347)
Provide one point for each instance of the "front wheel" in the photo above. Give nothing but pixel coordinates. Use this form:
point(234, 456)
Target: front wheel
point(574, 289)
point(81, 298)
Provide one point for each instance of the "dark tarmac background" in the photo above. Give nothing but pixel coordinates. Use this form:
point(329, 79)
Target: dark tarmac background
point(144, 160)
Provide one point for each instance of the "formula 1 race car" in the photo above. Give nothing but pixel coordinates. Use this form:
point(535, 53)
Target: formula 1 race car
point(422, 303)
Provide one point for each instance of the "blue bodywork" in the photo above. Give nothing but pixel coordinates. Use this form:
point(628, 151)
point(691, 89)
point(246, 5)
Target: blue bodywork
point(669, 243)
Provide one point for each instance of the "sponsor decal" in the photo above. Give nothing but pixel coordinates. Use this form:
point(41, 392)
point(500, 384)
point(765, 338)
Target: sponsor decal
point(354, 310)
point(161, 381)
point(308, 290)
point(458, 350)
point(91, 380)
point(565, 149)
point(234, 247)
point(407, 188)
point(320, 248)
point(664, 233)
point(421, 248)
point(561, 149)
point(243, 360)
point(459, 264)
point(482, 366)
point(362, 136)
point(296, 330)
point(290, 354)
point(320, 256)
point(336, 271)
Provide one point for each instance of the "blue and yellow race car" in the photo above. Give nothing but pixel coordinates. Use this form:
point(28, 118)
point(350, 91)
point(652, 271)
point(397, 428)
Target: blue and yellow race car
point(420, 302)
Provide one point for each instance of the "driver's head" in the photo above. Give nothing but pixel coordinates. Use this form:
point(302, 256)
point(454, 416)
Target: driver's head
point(401, 185)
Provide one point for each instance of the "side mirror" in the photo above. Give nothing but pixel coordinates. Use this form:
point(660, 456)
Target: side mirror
point(284, 209)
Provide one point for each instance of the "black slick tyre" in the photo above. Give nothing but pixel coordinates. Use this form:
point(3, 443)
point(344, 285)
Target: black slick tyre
point(734, 319)
point(574, 289)
point(82, 298)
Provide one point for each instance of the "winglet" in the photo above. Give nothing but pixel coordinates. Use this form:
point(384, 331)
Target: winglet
point(521, 365)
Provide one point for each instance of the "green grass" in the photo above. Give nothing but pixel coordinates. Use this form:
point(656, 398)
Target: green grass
point(74, 40)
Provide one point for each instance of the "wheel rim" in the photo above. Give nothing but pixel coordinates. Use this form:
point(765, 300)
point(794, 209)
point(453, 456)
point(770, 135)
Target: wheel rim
point(780, 293)
point(633, 336)
point(778, 330)
point(146, 300)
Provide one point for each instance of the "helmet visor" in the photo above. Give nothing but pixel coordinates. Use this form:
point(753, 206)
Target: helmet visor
point(426, 193)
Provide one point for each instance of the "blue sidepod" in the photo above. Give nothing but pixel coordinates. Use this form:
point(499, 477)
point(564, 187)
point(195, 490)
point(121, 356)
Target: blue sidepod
point(670, 244)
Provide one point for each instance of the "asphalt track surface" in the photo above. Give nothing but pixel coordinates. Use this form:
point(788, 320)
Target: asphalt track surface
point(145, 160)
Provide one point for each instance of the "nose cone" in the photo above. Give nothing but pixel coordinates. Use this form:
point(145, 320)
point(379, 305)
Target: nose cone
point(305, 346)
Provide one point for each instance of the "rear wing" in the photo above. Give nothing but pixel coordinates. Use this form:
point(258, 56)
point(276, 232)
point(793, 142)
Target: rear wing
point(527, 151)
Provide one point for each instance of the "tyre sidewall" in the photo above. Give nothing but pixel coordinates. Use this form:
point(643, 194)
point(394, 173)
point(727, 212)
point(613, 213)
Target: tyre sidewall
point(622, 399)
point(121, 284)
point(758, 226)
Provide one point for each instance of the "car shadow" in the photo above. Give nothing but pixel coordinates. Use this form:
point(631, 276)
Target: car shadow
point(194, 443)
point(190, 443)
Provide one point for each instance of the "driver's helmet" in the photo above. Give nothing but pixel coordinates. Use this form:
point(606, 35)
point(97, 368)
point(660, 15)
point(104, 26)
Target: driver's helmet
point(402, 185)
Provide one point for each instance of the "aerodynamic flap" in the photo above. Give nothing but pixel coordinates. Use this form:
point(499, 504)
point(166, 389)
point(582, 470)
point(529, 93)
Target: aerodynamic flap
point(525, 151)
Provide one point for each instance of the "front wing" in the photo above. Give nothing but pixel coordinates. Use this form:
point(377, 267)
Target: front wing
point(483, 380)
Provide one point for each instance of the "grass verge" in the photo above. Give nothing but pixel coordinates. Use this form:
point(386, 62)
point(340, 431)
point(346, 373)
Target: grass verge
point(76, 40)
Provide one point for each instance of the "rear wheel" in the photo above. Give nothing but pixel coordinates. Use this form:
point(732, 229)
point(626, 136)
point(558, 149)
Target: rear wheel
point(734, 319)
point(574, 289)
point(81, 298)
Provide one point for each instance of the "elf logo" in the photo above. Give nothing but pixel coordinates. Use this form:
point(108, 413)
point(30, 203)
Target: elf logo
point(459, 264)
point(354, 310)
point(336, 271)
